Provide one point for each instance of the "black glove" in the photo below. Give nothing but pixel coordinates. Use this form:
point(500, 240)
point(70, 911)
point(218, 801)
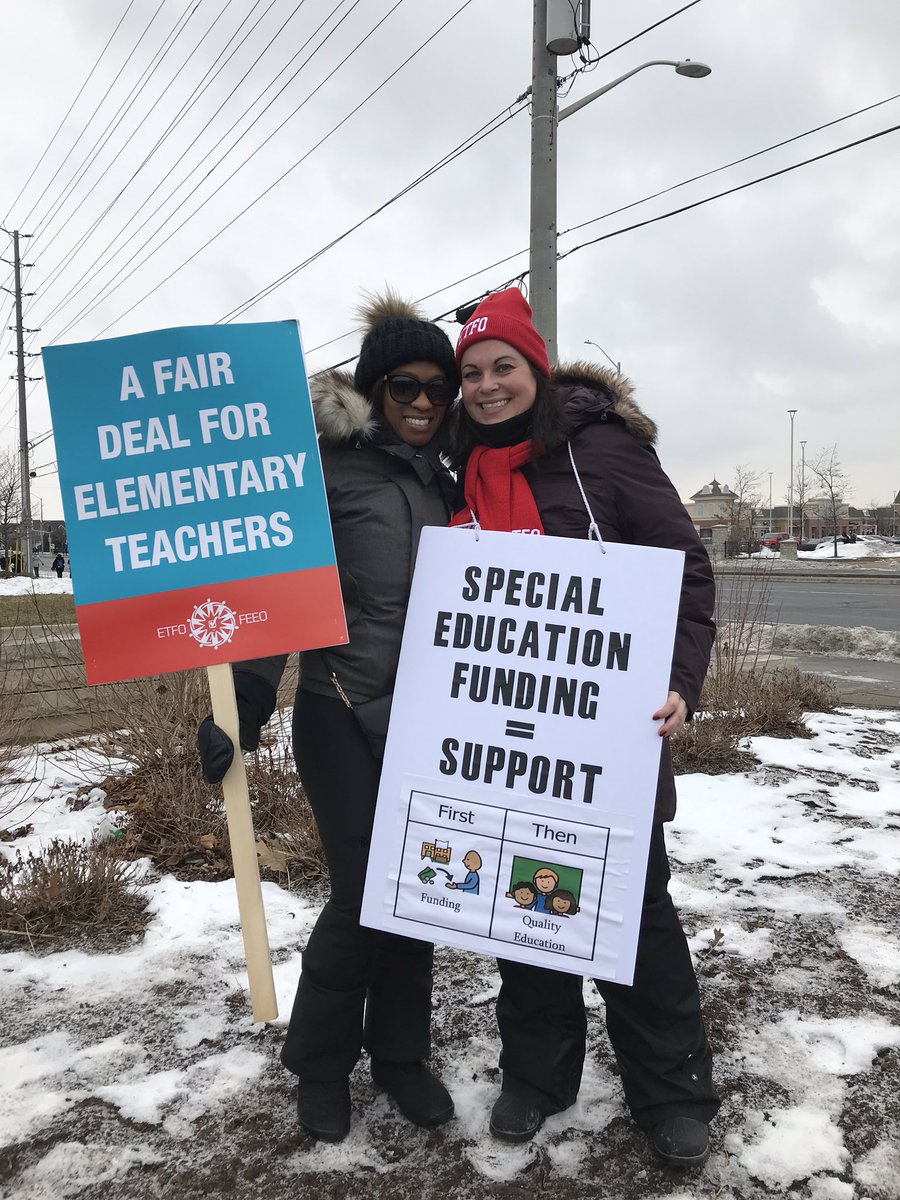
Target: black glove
point(216, 750)
point(255, 704)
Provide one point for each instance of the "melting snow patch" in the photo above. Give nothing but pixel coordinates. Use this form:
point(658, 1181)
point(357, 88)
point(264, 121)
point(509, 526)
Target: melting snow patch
point(790, 1144)
point(70, 1167)
point(877, 954)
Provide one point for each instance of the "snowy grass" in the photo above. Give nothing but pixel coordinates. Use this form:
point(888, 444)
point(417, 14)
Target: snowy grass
point(140, 1074)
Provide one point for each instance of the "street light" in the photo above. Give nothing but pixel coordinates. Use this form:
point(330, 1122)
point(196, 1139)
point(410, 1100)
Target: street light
point(792, 412)
point(544, 121)
point(617, 365)
point(771, 530)
point(802, 486)
point(685, 67)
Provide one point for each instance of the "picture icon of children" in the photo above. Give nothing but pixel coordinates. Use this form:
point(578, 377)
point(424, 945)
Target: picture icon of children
point(554, 890)
point(472, 863)
point(562, 903)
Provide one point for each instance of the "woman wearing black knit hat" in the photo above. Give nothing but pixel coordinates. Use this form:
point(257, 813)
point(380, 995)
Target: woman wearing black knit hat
point(380, 446)
point(565, 452)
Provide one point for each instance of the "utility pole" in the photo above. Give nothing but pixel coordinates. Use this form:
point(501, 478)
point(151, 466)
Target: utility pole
point(25, 506)
point(542, 254)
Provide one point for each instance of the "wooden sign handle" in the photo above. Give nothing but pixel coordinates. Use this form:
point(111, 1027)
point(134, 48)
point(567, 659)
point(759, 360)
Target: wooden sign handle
point(243, 850)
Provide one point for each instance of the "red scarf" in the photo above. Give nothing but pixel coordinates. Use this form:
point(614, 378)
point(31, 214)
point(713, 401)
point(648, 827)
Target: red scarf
point(497, 493)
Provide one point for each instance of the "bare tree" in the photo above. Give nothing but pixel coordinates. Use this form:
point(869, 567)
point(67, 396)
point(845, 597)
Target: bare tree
point(741, 505)
point(9, 498)
point(836, 485)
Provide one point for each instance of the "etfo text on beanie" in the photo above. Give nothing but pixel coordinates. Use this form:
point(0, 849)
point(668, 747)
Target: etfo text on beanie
point(505, 317)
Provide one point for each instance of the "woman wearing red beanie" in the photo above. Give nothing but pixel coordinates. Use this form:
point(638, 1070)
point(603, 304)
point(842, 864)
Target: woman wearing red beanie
point(533, 448)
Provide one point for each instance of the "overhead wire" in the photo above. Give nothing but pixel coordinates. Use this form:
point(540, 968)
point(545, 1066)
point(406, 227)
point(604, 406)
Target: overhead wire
point(734, 163)
point(68, 113)
point(117, 119)
point(27, 218)
point(108, 288)
point(366, 99)
point(73, 291)
point(52, 273)
point(643, 200)
point(484, 131)
point(641, 224)
point(731, 191)
point(90, 273)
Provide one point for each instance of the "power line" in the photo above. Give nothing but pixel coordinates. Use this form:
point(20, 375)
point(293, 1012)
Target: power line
point(488, 128)
point(655, 25)
point(284, 174)
point(730, 191)
point(97, 108)
point(90, 274)
point(106, 291)
point(53, 273)
point(638, 225)
point(734, 163)
point(68, 111)
point(120, 115)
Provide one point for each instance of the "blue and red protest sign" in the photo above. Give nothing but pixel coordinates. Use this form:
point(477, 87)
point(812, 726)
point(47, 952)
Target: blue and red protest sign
point(195, 507)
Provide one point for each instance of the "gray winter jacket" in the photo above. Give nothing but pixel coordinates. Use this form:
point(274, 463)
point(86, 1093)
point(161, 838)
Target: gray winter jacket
point(381, 493)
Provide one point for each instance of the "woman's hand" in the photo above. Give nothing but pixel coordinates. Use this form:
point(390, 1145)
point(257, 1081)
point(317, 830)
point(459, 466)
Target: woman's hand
point(675, 713)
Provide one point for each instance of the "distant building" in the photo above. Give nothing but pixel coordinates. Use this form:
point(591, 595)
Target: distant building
point(711, 506)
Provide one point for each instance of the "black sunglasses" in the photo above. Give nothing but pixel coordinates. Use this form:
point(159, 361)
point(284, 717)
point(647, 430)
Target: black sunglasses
point(406, 388)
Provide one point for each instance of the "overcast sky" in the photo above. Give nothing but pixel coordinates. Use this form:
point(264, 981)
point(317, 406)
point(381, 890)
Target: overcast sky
point(784, 295)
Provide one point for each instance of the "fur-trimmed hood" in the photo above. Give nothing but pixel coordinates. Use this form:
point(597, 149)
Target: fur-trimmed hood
point(592, 389)
point(342, 412)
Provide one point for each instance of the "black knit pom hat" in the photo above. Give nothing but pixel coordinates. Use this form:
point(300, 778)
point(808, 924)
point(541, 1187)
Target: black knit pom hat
point(398, 334)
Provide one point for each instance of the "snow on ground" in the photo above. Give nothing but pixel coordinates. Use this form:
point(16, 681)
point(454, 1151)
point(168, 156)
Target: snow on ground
point(45, 585)
point(140, 1073)
point(858, 549)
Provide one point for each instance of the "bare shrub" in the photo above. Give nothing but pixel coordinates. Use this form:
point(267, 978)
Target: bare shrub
point(178, 820)
point(711, 745)
point(68, 887)
point(775, 701)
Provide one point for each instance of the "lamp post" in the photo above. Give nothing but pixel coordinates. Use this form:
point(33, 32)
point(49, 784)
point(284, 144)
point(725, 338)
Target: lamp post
point(802, 486)
point(617, 365)
point(792, 412)
point(770, 503)
point(545, 118)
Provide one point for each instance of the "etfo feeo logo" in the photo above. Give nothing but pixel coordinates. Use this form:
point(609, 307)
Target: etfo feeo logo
point(212, 624)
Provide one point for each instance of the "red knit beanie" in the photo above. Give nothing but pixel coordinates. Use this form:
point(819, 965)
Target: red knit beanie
point(505, 316)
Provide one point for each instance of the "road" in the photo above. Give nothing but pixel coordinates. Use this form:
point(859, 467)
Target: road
point(846, 603)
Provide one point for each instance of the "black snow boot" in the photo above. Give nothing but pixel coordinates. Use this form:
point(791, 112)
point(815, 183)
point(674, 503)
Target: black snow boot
point(323, 1109)
point(421, 1097)
point(681, 1141)
point(515, 1118)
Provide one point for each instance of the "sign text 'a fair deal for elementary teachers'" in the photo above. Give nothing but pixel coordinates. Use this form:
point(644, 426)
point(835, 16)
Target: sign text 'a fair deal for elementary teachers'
point(195, 507)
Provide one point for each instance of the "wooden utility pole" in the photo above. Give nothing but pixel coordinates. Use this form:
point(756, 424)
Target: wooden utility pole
point(24, 466)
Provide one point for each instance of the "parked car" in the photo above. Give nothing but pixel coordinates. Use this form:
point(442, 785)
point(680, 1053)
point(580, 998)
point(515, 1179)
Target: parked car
point(814, 543)
point(773, 540)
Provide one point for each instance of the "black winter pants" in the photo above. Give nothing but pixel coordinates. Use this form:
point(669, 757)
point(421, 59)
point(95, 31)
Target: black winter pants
point(358, 987)
point(655, 1026)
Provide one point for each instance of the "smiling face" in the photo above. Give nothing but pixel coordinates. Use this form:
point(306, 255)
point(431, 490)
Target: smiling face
point(418, 422)
point(524, 895)
point(546, 880)
point(497, 382)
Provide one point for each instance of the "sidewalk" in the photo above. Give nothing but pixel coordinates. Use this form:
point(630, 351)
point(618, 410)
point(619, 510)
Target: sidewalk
point(862, 682)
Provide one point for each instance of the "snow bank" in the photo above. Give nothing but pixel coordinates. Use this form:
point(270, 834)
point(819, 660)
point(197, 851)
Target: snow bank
point(21, 585)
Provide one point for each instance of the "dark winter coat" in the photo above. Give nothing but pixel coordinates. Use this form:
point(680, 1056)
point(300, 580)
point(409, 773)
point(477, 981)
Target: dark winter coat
point(633, 501)
point(381, 494)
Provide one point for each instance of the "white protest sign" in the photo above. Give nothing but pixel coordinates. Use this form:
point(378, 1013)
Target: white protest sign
point(519, 776)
